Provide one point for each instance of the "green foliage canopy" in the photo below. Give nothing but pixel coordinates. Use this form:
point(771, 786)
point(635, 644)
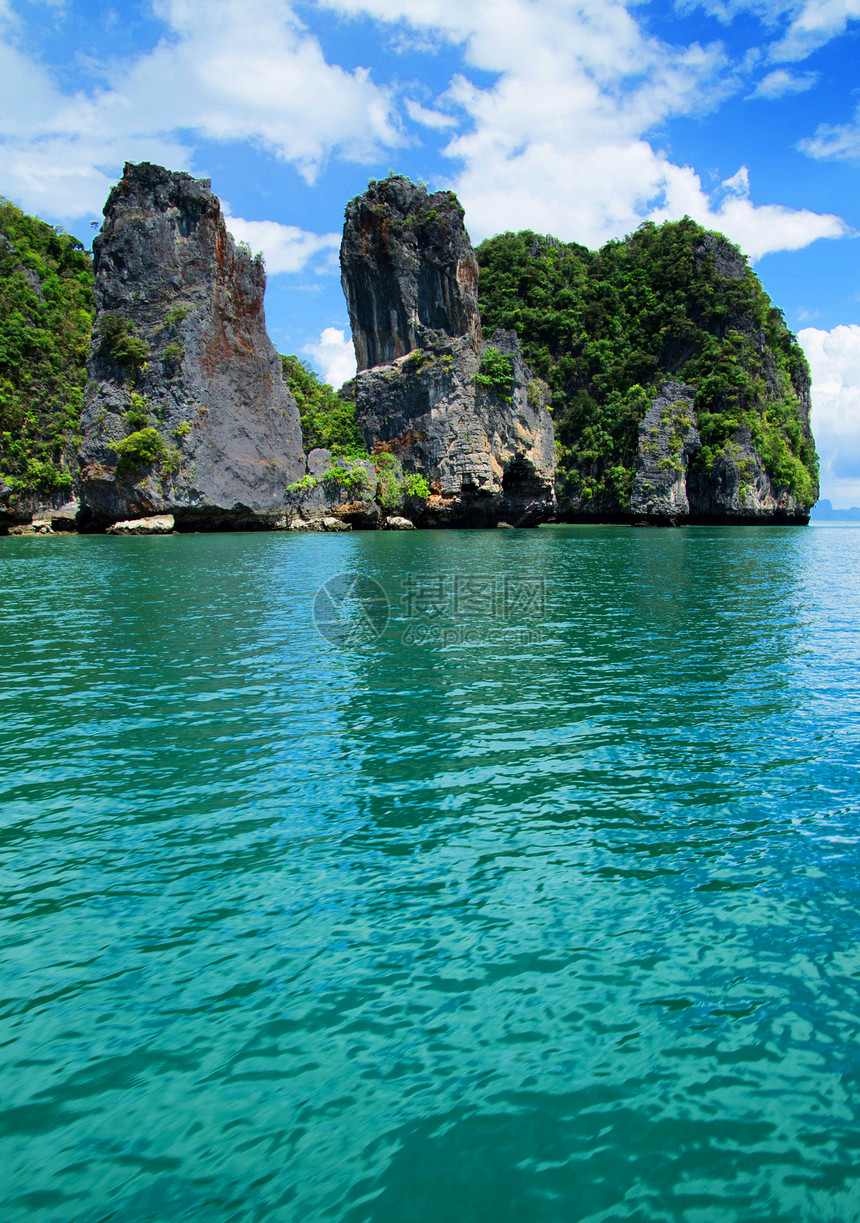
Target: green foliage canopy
point(604, 329)
point(46, 312)
point(118, 340)
point(327, 418)
point(496, 374)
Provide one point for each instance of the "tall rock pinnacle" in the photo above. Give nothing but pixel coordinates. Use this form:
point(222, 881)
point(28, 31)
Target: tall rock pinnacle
point(467, 416)
point(186, 410)
point(408, 270)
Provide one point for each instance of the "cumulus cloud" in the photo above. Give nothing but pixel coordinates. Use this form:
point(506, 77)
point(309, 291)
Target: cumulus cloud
point(226, 70)
point(738, 184)
point(558, 142)
point(807, 24)
point(817, 22)
point(779, 83)
point(836, 143)
point(334, 356)
point(834, 359)
point(429, 118)
point(757, 229)
point(286, 248)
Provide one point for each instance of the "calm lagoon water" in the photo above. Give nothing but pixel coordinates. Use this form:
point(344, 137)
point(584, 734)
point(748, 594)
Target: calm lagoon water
point(541, 905)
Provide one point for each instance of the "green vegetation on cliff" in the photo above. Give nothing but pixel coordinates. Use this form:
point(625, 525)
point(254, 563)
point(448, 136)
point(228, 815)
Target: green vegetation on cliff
point(327, 418)
point(496, 374)
point(605, 328)
point(46, 308)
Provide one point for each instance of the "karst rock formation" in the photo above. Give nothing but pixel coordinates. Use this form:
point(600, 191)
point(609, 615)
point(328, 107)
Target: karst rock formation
point(186, 411)
point(484, 444)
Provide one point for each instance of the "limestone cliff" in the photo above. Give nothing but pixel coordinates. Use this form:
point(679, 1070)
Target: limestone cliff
point(610, 330)
point(672, 484)
point(465, 415)
point(667, 440)
point(185, 411)
point(408, 271)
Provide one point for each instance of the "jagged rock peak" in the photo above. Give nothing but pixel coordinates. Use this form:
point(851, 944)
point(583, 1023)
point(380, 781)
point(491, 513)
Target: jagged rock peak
point(729, 259)
point(408, 271)
point(186, 411)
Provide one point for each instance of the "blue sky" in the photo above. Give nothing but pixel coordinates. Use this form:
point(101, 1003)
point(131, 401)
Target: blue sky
point(578, 119)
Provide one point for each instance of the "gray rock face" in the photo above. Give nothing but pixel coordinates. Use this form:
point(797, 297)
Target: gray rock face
point(668, 439)
point(737, 487)
point(186, 411)
point(483, 444)
point(319, 462)
point(728, 259)
point(64, 518)
point(672, 484)
point(408, 271)
point(484, 454)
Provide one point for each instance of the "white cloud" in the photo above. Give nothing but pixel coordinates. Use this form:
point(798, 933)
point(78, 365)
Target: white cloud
point(286, 248)
point(559, 142)
point(334, 355)
point(738, 184)
point(429, 118)
point(226, 70)
point(768, 11)
point(779, 83)
point(811, 23)
point(816, 24)
point(757, 229)
point(834, 359)
point(838, 143)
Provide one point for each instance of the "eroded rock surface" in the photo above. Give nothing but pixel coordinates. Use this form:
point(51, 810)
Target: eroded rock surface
point(737, 487)
point(408, 271)
point(668, 439)
point(158, 524)
point(483, 454)
point(186, 411)
point(484, 443)
point(677, 481)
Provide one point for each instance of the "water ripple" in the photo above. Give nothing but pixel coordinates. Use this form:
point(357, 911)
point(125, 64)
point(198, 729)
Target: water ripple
point(549, 915)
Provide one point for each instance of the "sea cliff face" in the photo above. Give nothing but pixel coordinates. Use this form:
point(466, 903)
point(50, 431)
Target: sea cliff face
point(186, 411)
point(613, 331)
point(465, 415)
point(408, 270)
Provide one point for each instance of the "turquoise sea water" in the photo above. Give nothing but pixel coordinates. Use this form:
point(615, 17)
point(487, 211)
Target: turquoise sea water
point(541, 905)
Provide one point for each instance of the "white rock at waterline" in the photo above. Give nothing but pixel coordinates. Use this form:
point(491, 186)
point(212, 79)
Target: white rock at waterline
point(158, 524)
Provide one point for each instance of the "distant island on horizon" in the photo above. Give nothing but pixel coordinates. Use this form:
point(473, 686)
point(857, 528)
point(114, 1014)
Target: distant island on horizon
point(823, 511)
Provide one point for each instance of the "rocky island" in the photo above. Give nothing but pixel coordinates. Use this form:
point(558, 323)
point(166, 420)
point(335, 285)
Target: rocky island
point(529, 381)
point(186, 412)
